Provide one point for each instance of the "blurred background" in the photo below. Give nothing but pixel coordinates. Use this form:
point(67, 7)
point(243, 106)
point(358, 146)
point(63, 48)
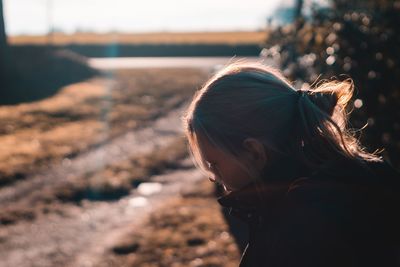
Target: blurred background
point(94, 169)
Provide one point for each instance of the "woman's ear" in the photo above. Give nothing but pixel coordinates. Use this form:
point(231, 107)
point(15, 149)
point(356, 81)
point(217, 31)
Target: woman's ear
point(255, 152)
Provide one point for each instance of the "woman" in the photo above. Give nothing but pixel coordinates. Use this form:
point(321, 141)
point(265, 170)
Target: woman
point(309, 191)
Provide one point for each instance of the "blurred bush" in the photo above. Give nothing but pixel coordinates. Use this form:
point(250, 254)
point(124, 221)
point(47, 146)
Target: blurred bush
point(353, 38)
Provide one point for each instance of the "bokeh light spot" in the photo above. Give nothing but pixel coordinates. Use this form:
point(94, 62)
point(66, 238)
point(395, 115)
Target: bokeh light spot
point(358, 103)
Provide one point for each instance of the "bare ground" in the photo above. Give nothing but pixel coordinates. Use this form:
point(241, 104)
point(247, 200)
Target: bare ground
point(176, 217)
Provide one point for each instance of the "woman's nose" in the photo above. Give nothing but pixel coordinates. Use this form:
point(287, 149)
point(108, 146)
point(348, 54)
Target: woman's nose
point(212, 179)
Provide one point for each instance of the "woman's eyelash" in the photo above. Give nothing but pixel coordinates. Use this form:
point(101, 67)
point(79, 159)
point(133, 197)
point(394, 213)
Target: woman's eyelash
point(210, 165)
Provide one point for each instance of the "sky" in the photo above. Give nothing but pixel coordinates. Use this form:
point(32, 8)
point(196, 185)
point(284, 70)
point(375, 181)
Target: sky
point(33, 16)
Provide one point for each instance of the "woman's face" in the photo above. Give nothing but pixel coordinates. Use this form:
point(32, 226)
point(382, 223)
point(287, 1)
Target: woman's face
point(226, 170)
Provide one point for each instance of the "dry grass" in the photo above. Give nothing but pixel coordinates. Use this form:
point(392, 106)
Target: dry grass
point(36, 134)
point(187, 231)
point(109, 183)
point(242, 37)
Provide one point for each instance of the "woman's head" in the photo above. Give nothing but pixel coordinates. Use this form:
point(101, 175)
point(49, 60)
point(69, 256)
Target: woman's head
point(245, 107)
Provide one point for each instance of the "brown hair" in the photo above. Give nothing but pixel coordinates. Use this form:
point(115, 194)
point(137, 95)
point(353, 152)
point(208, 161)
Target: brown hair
point(252, 100)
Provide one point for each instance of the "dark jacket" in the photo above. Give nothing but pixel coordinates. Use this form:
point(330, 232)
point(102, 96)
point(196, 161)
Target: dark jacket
point(342, 214)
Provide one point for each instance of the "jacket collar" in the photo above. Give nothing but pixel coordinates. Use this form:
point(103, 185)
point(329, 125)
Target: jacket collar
point(278, 179)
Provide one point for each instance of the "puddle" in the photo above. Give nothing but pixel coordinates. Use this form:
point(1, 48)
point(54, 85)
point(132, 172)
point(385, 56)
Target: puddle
point(147, 189)
point(138, 202)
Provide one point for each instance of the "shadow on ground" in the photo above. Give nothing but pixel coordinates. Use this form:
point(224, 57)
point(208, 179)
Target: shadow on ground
point(39, 72)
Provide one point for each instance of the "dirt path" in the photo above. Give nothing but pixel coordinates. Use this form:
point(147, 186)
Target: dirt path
point(87, 231)
point(73, 237)
point(164, 130)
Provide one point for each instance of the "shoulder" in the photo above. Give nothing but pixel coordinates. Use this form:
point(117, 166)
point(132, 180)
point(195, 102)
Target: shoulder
point(342, 177)
point(347, 185)
point(350, 197)
point(329, 219)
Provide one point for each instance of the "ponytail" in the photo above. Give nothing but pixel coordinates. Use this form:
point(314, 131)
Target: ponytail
point(322, 123)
